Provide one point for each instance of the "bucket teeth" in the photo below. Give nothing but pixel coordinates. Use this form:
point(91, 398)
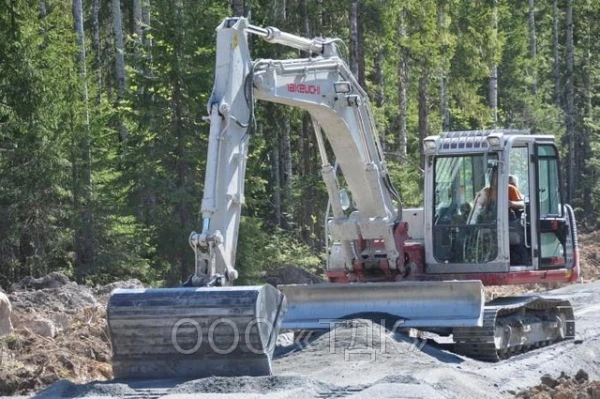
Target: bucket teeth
point(194, 332)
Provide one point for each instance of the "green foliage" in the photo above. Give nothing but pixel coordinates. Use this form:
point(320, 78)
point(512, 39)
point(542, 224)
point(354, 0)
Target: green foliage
point(34, 165)
point(67, 176)
point(260, 250)
point(408, 178)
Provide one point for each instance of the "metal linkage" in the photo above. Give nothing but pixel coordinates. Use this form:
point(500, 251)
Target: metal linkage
point(274, 35)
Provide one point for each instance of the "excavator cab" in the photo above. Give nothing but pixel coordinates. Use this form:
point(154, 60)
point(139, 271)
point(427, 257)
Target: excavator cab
point(494, 212)
point(479, 223)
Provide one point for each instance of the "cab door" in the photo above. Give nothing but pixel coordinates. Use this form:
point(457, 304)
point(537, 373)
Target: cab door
point(522, 169)
point(552, 227)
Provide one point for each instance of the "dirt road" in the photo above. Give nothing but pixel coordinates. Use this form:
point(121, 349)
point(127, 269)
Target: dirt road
point(361, 360)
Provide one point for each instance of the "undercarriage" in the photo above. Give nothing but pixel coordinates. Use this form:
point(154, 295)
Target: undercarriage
point(514, 325)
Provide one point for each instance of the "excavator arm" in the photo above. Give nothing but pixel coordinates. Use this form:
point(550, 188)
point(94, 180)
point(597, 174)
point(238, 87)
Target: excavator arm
point(321, 84)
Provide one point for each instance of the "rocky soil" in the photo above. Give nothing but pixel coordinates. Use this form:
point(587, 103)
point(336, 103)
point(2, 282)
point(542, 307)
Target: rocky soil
point(564, 387)
point(362, 360)
point(60, 332)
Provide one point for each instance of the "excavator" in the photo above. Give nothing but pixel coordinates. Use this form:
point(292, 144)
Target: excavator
point(422, 268)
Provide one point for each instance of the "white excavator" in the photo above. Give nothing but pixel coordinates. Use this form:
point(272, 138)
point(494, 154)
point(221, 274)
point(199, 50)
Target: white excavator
point(418, 268)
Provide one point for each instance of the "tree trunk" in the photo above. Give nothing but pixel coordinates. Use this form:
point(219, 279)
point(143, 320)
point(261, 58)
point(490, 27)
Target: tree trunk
point(138, 21)
point(307, 173)
point(146, 21)
point(43, 9)
point(119, 47)
point(146, 97)
point(181, 170)
point(138, 28)
point(96, 47)
point(278, 12)
point(276, 174)
point(379, 80)
point(570, 109)
point(360, 52)
point(305, 28)
point(354, 46)
point(319, 18)
point(494, 95)
point(589, 83)
point(119, 64)
point(237, 7)
point(402, 85)
point(493, 89)
point(183, 216)
point(287, 161)
point(423, 111)
point(82, 174)
point(380, 92)
point(444, 107)
point(308, 153)
point(555, 48)
point(533, 44)
point(586, 151)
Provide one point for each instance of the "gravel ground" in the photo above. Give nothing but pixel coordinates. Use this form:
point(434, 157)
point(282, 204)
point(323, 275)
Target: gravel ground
point(361, 360)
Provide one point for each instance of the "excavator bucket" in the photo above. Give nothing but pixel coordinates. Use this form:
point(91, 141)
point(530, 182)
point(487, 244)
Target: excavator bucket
point(194, 332)
point(405, 304)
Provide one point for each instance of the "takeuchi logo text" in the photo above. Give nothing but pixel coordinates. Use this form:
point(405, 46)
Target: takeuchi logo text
point(303, 88)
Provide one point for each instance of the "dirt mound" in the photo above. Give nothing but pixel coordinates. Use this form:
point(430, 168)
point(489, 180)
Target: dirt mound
point(80, 352)
point(67, 389)
point(52, 280)
point(60, 333)
point(564, 387)
point(356, 341)
point(106, 289)
point(68, 297)
point(589, 256)
point(263, 385)
point(291, 275)
point(353, 337)
point(52, 308)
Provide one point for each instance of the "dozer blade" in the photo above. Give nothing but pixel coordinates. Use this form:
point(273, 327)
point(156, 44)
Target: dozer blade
point(406, 304)
point(194, 332)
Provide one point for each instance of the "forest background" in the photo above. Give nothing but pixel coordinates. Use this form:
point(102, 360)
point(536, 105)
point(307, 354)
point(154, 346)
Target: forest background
point(103, 141)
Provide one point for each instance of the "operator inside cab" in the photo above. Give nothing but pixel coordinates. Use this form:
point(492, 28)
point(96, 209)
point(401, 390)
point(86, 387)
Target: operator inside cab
point(515, 198)
point(484, 205)
point(486, 200)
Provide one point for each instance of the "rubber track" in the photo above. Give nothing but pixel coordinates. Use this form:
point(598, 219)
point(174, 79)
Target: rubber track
point(479, 342)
